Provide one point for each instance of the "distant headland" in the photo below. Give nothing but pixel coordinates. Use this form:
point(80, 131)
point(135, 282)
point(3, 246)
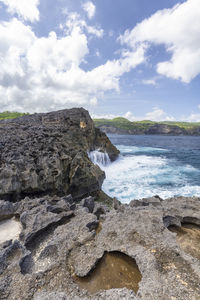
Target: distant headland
point(124, 126)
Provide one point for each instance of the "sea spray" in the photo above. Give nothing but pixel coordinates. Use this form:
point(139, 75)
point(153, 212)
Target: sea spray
point(99, 158)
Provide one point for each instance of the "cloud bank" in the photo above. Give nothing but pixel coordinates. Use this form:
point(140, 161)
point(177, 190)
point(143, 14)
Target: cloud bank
point(27, 9)
point(178, 29)
point(42, 74)
point(47, 73)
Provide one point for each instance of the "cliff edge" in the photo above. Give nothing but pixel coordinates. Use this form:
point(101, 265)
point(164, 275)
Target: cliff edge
point(48, 154)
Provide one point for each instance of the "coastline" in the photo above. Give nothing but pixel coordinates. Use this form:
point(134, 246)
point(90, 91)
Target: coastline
point(67, 230)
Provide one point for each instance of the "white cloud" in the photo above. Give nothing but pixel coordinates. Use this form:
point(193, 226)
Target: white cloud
point(74, 21)
point(90, 9)
point(129, 115)
point(103, 116)
point(43, 74)
point(149, 81)
point(178, 29)
point(192, 118)
point(158, 114)
point(27, 9)
point(97, 53)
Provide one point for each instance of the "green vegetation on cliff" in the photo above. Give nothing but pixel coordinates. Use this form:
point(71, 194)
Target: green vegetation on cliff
point(122, 125)
point(11, 115)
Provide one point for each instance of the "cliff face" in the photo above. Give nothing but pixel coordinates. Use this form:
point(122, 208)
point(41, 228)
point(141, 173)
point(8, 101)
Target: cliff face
point(148, 128)
point(166, 129)
point(47, 154)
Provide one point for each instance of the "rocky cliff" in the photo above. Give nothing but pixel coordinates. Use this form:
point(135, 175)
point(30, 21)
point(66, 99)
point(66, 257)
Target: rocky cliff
point(44, 154)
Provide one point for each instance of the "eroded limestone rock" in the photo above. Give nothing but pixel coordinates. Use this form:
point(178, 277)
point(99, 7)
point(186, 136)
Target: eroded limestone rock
point(51, 252)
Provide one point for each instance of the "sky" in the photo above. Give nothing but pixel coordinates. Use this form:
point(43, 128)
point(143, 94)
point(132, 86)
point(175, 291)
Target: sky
point(138, 59)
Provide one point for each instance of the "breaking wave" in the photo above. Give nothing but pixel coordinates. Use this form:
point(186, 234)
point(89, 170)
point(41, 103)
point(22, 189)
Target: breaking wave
point(142, 172)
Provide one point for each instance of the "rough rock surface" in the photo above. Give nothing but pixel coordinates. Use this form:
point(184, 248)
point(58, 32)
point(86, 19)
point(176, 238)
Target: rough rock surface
point(59, 241)
point(61, 238)
point(45, 154)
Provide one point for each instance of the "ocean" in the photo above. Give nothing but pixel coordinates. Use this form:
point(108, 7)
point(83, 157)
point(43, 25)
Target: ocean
point(153, 165)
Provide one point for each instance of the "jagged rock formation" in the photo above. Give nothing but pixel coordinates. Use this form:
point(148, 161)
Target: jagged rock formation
point(44, 154)
point(61, 240)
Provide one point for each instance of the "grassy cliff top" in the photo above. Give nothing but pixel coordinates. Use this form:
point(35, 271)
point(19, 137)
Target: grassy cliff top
point(11, 115)
point(123, 123)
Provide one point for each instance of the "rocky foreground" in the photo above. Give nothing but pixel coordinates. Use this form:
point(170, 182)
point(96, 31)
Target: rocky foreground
point(62, 238)
point(61, 241)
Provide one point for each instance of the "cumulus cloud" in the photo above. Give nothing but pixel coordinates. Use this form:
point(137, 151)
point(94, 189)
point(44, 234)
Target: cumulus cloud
point(74, 21)
point(90, 9)
point(192, 118)
point(178, 29)
point(129, 115)
point(27, 9)
point(104, 116)
point(157, 114)
point(45, 73)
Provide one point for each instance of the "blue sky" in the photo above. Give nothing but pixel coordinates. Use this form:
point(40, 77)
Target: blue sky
point(134, 58)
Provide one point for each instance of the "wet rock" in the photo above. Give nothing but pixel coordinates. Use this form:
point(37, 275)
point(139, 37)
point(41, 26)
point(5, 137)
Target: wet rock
point(113, 270)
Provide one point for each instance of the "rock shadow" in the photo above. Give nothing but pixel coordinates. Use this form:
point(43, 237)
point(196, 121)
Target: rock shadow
point(187, 237)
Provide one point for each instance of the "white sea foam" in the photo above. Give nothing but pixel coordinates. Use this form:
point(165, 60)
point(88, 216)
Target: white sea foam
point(135, 149)
point(9, 230)
point(135, 177)
point(99, 158)
point(142, 172)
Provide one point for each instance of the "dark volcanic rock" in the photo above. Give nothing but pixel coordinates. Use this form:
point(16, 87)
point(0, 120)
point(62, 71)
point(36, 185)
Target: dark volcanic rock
point(47, 154)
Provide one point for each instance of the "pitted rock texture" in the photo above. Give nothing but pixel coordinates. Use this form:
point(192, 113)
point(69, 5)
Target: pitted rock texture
point(52, 251)
point(45, 154)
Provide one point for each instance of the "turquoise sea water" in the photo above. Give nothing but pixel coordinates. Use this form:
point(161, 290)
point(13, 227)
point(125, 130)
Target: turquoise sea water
point(153, 165)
